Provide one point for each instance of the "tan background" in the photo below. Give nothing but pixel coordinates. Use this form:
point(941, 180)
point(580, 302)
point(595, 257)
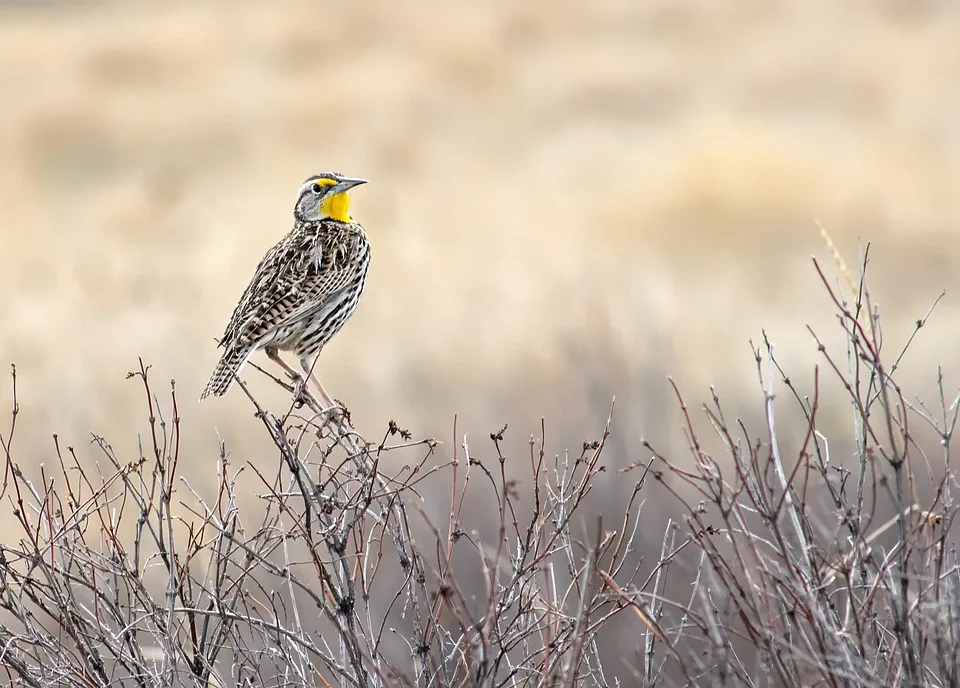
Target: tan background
point(568, 200)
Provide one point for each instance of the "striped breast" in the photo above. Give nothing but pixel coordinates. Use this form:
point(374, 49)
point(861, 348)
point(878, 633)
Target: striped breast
point(352, 260)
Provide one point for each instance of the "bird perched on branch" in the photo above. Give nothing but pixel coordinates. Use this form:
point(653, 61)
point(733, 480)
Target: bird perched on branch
point(304, 289)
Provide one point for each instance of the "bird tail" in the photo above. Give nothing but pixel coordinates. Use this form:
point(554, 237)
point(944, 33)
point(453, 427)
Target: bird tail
point(223, 375)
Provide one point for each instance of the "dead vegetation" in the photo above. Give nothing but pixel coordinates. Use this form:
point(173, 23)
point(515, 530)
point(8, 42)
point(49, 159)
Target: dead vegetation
point(773, 570)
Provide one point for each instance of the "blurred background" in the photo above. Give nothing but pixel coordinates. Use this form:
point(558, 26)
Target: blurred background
point(568, 201)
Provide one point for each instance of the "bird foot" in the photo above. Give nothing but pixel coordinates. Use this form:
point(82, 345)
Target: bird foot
point(333, 412)
point(338, 413)
point(302, 396)
point(328, 416)
point(300, 393)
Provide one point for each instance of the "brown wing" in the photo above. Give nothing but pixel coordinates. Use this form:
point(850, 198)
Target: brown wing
point(296, 278)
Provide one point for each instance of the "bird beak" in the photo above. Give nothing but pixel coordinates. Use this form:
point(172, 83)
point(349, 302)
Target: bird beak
point(346, 184)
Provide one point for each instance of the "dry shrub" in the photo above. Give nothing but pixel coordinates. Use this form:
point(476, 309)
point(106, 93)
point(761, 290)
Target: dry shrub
point(790, 573)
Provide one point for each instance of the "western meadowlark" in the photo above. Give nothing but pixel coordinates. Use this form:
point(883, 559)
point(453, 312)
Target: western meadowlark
point(304, 289)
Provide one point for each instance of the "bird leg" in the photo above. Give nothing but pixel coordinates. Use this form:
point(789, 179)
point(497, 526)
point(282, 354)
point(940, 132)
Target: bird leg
point(275, 357)
point(299, 381)
point(307, 366)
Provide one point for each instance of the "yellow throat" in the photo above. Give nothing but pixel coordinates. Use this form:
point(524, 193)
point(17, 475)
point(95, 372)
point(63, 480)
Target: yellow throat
point(337, 207)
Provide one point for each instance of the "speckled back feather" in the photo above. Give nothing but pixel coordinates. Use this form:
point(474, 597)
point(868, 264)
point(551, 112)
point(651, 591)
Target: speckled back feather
point(301, 294)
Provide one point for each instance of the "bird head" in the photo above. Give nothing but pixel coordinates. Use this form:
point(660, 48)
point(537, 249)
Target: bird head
point(325, 196)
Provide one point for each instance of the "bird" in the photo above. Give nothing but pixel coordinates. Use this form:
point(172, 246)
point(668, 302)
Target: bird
point(304, 289)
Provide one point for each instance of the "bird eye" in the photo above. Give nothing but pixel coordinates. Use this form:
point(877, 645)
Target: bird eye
point(317, 188)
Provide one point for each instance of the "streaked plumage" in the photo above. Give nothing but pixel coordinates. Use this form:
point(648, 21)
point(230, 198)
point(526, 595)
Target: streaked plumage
point(306, 286)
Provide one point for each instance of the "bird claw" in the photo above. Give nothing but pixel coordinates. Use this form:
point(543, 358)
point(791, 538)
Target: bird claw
point(332, 412)
point(300, 397)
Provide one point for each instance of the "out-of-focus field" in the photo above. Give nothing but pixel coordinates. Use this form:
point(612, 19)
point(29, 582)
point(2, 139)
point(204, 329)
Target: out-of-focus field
point(568, 200)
